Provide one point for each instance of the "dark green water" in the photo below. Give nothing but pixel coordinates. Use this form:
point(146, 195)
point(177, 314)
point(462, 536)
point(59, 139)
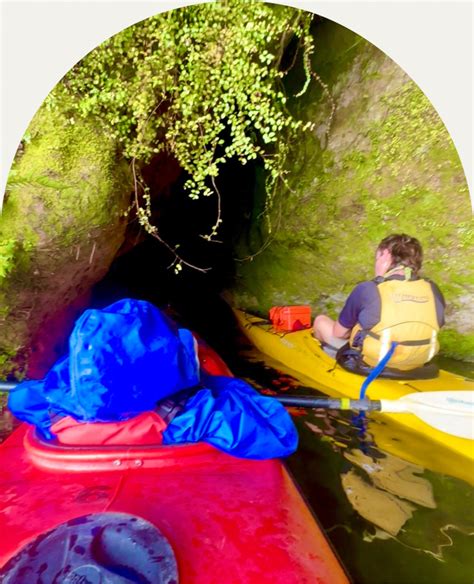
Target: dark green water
point(338, 466)
point(461, 367)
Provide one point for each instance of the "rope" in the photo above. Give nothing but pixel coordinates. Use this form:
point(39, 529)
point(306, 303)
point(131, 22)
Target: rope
point(377, 370)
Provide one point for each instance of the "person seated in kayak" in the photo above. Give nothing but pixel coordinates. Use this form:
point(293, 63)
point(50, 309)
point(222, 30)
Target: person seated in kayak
point(397, 305)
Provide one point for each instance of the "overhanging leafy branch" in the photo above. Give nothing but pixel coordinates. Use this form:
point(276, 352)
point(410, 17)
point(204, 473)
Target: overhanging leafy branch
point(203, 83)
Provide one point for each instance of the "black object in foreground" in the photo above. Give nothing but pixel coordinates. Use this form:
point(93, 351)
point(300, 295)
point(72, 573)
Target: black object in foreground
point(327, 403)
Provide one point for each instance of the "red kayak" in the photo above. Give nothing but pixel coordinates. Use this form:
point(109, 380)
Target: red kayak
point(153, 514)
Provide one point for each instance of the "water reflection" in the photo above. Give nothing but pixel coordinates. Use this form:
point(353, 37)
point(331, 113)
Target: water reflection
point(383, 492)
point(390, 519)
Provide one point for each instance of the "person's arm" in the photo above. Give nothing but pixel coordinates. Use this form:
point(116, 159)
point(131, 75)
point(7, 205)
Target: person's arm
point(440, 303)
point(349, 315)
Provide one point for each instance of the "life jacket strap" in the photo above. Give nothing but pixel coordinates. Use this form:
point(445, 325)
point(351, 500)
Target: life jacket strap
point(418, 343)
point(407, 272)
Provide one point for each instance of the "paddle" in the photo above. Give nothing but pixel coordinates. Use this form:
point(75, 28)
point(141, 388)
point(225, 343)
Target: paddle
point(449, 411)
point(7, 386)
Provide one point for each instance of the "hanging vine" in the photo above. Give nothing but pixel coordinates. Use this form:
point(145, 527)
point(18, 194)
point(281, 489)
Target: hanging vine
point(203, 83)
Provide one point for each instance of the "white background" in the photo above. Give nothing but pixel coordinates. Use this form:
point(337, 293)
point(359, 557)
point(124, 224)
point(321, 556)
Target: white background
point(431, 41)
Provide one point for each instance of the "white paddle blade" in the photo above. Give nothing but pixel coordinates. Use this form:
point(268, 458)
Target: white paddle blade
point(448, 411)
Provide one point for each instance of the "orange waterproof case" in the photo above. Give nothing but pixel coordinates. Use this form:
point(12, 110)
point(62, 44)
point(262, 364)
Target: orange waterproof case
point(290, 318)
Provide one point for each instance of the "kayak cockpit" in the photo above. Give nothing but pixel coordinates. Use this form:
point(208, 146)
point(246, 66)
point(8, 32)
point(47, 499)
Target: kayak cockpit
point(50, 455)
point(351, 360)
point(357, 366)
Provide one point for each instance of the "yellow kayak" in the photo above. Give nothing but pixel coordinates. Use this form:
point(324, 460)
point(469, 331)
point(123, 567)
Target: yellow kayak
point(300, 354)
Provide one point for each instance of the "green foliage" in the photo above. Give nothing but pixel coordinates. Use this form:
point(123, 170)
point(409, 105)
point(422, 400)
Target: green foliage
point(12, 254)
point(7, 256)
point(203, 83)
point(16, 180)
point(457, 345)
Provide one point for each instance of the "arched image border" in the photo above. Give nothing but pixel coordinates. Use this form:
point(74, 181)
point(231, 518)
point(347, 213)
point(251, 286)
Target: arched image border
point(38, 49)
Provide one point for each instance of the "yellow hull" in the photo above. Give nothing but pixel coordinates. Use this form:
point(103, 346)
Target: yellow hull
point(299, 353)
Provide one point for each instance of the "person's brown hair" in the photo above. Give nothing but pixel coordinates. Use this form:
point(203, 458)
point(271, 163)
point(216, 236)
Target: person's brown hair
point(405, 251)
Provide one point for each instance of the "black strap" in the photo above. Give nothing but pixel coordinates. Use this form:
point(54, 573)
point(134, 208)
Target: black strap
point(347, 352)
point(380, 279)
point(171, 406)
point(418, 343)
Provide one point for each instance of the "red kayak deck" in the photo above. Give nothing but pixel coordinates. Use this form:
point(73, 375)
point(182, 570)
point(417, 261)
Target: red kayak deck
point(228, 520)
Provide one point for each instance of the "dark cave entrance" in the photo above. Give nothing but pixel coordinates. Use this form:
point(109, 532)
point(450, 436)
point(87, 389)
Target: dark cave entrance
point(142, 269)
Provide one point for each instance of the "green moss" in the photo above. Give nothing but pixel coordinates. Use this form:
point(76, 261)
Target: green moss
point(52, 195)
point(389, 166)
point(69, 169)
point(456, 345)
point(7, 255)
point(7, 361)
point(65, 183)
point(66, 187)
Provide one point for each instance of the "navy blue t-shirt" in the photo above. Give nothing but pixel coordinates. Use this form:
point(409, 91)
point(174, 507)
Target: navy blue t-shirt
point(363, 305)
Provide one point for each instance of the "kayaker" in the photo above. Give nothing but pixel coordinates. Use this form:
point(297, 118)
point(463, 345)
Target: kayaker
point(397, 305)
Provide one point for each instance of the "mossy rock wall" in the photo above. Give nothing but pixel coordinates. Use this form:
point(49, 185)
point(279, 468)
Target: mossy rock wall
point(61, 226)
point(388, 166)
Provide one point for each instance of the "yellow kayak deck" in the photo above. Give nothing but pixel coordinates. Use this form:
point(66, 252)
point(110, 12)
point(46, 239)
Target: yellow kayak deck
point(301, 354)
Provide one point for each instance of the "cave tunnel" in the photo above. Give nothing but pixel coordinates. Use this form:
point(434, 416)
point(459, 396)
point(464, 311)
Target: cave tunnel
point(143, 266)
